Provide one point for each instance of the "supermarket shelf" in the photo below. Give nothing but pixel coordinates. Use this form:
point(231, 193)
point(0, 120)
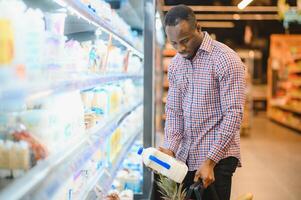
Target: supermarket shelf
point(294, 70)
point(288, 108)
point(297, 57)
point(296, 96)
point(27, 184)
point(111, 172)
point(87, 14)
point(296, 82)
point(285, 123)
point(30, 92)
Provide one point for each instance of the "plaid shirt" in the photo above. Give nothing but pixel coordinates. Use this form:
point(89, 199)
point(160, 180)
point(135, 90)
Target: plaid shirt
point(205, 104)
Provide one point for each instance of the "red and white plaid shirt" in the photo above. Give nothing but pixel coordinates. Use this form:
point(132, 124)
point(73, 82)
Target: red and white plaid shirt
point(205, 104)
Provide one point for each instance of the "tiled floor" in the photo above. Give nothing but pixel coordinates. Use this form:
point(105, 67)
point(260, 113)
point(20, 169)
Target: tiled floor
point(271, 163)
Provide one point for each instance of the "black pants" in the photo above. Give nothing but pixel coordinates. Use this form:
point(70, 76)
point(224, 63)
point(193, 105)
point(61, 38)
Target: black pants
point(223, 172)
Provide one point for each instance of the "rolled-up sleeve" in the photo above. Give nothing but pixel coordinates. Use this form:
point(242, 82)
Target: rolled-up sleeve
point(231, 75)
point(174, 124)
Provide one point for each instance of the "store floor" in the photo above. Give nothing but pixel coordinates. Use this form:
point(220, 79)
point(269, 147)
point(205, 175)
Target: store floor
point(271, 163)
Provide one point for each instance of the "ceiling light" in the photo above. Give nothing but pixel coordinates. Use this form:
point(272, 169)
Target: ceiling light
point(244, 3)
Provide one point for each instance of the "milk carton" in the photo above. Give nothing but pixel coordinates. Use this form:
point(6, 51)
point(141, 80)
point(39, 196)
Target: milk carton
point(164, 164)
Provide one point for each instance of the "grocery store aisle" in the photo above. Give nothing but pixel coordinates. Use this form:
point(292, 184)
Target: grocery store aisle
point(271, 163)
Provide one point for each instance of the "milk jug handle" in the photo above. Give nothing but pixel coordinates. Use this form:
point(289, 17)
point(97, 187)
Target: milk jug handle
point(159, 162)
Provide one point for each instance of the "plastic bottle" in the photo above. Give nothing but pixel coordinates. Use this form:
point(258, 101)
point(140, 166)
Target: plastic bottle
point(164, 164)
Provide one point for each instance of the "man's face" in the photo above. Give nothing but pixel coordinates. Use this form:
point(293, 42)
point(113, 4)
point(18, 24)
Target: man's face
point(184, 38)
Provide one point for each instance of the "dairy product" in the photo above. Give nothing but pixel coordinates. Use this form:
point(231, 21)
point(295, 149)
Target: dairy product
point(164, 164)
point(101, 103)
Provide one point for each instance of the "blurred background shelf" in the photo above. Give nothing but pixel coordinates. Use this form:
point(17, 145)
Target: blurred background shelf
point(289, 108)
point(286, 123)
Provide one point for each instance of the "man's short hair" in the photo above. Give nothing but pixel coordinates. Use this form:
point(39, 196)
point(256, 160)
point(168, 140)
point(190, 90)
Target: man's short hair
point(179, 13)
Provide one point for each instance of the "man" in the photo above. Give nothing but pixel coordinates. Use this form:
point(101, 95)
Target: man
point(204, 106)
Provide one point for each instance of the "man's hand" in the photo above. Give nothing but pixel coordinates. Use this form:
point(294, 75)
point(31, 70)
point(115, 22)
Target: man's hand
point(167, 151)
point(206, 173)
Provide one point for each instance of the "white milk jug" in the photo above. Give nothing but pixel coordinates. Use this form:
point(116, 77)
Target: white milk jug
point(164, 164)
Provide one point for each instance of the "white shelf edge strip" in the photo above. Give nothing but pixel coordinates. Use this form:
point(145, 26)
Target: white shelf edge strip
point(63, 86)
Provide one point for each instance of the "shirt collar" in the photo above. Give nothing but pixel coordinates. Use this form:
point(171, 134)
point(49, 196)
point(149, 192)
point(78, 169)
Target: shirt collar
point(206, 43)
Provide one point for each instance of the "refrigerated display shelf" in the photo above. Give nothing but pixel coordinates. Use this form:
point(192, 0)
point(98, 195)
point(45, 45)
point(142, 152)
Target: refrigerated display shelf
point(29, 91)
point(110, 173)
point(26, 185)
point(84, 12)
point(91, 17)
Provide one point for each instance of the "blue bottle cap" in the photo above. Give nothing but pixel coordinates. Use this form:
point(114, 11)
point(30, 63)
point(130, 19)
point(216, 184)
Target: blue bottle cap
point(140, 151)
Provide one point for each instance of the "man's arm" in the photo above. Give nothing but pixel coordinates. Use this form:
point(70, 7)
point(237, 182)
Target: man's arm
point(174, 124)
point(232, 97)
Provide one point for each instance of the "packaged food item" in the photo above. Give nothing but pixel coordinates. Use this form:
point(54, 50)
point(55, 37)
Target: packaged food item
point(115, 60)
point(112, 196)
point(132, 182)
point(6, 146)
point(74, 57)
point(87, 98)
point(115, 146)
point(14, 155)
point(101, 103)
point(55, 22)
point(101, 51)
point(127, 195)
point(53, 53)
point(117, 185)
point(121, 178)
point(115, 98)
point(34, 38)
point(39, 150)
point(164, 164)
point(6, 43)
point(135, 65)
point(91, 119)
